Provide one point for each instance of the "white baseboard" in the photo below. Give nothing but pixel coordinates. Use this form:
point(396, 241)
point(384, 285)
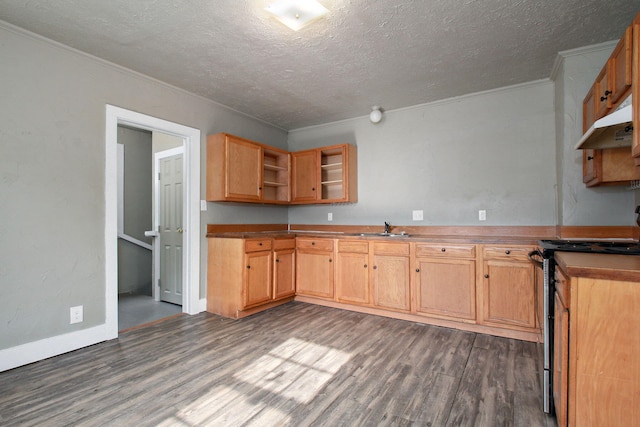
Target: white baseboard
point(39, 350)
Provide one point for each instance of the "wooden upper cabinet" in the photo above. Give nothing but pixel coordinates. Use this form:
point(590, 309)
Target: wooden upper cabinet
point(234, 169)
point(304, 171)
point(602, 92)
point(620, 67)
point(325, 175)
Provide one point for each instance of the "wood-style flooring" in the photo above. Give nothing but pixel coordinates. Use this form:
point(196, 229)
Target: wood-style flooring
point(294, 365)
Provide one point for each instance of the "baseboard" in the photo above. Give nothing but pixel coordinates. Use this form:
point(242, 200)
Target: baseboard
point(39, 350)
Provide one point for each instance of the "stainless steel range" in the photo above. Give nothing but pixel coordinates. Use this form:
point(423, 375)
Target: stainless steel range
point(544, 258)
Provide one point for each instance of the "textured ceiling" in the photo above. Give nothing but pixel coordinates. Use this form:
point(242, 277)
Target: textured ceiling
point(392, 53)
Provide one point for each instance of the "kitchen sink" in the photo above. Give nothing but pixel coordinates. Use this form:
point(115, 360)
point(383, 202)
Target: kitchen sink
point(385, 234)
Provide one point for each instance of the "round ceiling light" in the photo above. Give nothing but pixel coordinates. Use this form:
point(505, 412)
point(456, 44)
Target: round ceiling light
point(376, 114)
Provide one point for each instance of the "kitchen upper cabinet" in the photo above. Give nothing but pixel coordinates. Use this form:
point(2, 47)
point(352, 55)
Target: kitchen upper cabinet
point(611, 166)
point(390, 278)
point(241, 279)
point(619, 64)
point(352, 284)
point(325, 175)
point(304, 171)
point(445, 280)
point(315, 267)
point(239, 170)
point(508, 287)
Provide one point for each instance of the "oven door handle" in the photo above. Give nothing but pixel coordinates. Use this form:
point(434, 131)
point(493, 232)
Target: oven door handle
point(533, 255)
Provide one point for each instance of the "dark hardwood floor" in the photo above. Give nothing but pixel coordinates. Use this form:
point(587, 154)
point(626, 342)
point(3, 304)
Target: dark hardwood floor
point(294, 365)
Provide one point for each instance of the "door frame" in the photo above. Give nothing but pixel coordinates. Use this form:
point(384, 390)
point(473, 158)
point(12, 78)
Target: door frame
point(155, 289)
point(191, 258)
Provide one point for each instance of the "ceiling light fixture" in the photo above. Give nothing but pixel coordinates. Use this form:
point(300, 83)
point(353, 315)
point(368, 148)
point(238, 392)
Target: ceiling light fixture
point(295, 14)
point(376, 114)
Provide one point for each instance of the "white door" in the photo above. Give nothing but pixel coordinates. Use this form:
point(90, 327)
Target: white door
point(170, 226)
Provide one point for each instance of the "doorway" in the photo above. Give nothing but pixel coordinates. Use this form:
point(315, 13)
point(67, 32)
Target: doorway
point(189, 251)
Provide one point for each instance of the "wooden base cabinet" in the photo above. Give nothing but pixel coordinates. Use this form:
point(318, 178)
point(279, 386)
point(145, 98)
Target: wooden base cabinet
point(241, 279)
point(597, 374)
point(390, 278)
point(284, 268)
point(508, 287)
point(445, 280)
point(352, 283)
point(315, 267)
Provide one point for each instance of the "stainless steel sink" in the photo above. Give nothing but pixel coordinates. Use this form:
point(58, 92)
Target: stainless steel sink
point(385, 234)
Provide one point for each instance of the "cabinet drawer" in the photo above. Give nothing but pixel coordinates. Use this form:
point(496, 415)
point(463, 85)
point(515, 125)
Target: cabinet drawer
point(354, 247)
point(284, 244)
point(445, 249)
point(380, 248)
point(519, 253)
point(257, 245)
point(320, 245)
point(562, 288)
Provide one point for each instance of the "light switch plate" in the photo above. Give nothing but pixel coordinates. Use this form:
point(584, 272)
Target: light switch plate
point(76, 314)
point(329, 216)
point(482, 215)
point(203, 205)
point(418, 215)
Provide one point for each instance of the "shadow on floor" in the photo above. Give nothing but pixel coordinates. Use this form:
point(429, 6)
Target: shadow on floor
point(135, 310)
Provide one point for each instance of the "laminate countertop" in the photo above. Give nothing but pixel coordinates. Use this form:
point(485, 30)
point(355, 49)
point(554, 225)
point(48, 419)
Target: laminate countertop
point(600, 266)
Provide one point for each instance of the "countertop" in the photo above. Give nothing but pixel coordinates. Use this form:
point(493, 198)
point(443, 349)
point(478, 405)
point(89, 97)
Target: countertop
point(471, 239)
point(600, 266)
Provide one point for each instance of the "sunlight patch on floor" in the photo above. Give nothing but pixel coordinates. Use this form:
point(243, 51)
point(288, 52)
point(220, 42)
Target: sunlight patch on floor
point(296, 369)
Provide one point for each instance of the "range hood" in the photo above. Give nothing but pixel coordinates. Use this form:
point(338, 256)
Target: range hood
point(612, 131)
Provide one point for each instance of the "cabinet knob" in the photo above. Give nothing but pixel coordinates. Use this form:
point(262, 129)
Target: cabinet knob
point(507, 252)
point(365, 266)
point(248, 266)
point(313, 189)
point(277, 260)
point(330, 260)
point(259, 188)
point(603, 98)
point(444, 249)
point(486, 276)
point(260, 244)
point(417, 270)
point(589, 157)
point(375, 267)
point(313, 243)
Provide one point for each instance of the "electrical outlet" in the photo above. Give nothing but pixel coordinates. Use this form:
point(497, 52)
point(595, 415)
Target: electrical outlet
point(329, 216)
point(75, 314)
point(482, 215)
point(418, 215)
point(203, 205)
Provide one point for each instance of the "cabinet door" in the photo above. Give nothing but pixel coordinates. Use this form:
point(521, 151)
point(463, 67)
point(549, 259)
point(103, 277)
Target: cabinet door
point(620, 67)
point(284, 273)
point(446, 287)
point(390, 276)
point(561, 361)
point(244, 169)
point(304, 171)
point(352, 284)
point(257, 279)
point(602, 92)
point(314, 274)
point(591, 162)
point(509, 293)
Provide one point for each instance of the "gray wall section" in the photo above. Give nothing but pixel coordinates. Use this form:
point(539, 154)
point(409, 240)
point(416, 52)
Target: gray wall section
point(493, 151)
point(52, 133)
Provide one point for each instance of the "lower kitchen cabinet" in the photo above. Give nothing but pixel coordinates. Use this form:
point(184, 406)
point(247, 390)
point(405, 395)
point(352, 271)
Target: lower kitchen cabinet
point(390, 278)
point(352, 284)
point(314, 267)
point(596, 348)
point(508, 287)
point(240, 279)
point(445, 280)
point(284, 271)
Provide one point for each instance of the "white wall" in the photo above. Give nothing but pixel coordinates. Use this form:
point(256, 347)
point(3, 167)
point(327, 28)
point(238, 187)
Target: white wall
point(492, 151)
point(52, 134)
point(573, 75)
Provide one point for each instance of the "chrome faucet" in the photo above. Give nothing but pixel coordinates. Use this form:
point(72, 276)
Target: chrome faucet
point(387, 227)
